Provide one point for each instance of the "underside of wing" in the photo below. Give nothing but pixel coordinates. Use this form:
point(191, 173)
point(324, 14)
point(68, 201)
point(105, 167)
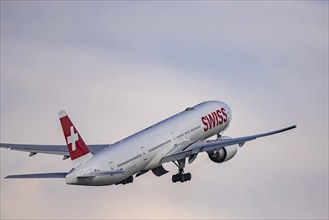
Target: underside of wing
point(185, 150)
point(47, 149)
point(37, 175)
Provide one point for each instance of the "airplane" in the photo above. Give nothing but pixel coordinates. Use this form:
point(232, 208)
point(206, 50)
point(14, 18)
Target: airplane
point(176, 139)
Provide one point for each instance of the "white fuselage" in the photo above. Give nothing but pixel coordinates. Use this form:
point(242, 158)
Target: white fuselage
point(144, 150)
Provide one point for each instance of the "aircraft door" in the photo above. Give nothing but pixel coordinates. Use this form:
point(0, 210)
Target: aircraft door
point(173, 138)
point(144, 154)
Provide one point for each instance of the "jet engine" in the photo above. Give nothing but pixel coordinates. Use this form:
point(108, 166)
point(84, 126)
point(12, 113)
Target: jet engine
point(223, 154)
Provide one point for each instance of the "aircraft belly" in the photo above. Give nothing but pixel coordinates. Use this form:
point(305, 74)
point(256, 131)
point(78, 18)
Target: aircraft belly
point(108, 180)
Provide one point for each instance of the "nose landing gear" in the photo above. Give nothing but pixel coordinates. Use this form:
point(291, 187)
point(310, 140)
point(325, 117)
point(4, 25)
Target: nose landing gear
point(181, 176)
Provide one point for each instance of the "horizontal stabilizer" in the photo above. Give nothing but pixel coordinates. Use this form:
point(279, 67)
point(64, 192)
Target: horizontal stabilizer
point(48, 149)
point(37, 175)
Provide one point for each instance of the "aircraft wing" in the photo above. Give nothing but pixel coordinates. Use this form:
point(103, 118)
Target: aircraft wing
point(187, 149)
point(47, 149)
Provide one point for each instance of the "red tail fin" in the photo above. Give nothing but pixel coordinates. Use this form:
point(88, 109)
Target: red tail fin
point(78, 150)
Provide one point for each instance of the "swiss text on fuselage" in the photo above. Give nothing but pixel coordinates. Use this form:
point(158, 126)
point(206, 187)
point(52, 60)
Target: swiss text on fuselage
point(214, 119)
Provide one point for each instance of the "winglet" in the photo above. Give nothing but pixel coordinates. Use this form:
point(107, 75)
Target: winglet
point(78, 150)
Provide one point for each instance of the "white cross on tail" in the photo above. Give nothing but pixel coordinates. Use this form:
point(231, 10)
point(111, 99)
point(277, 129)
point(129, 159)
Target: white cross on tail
point(73, 138)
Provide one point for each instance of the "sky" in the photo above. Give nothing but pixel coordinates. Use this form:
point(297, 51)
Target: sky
point(118, 67)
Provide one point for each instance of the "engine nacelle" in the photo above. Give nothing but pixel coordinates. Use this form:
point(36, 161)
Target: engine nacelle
point(223, 154)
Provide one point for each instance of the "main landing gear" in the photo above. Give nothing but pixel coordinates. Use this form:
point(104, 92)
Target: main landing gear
point(126, 181)
point(181, 176)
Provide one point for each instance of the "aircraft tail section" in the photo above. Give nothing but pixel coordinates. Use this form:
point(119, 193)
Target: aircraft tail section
point(78, 150)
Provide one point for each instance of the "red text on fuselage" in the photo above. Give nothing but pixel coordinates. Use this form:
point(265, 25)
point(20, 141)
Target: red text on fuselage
point(214, 119)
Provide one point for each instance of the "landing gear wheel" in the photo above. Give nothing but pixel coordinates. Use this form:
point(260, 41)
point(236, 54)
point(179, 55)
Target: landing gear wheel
point(187, 177)
point(126, 181)
point(181, 176)
point(175, 178)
